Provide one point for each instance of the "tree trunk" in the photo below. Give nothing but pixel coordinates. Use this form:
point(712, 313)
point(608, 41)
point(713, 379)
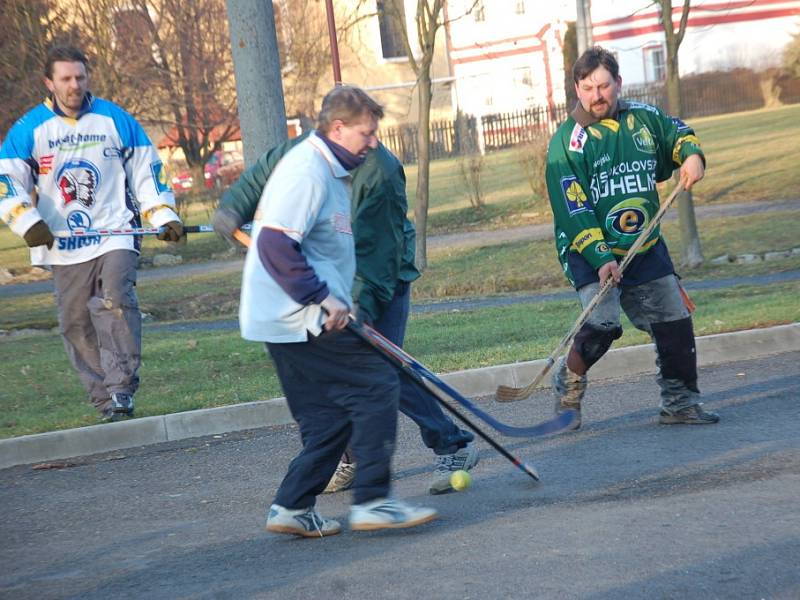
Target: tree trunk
point(423, 164)
point(692, 255)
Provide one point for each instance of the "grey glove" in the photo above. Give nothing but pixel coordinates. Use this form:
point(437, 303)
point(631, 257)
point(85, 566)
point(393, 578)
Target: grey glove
point(172, 232)
point(39, 235)
point(225, 221)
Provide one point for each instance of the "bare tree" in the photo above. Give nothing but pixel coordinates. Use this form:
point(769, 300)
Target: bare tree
point(428, 19)
point(31, 27)
point(169, 63)
point(692, 252)
point(304, 47)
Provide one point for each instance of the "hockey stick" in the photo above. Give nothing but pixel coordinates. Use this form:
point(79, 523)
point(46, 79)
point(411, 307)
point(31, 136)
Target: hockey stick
point(433, 384)
point(506, 393)
point(396, 356)
point(443, 393)
point(84, 232)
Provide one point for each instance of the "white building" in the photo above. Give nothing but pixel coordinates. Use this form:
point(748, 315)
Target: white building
point(506, 55)
point(720, 35)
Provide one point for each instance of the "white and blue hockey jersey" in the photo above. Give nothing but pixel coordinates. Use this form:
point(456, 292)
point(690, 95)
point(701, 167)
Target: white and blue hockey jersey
point(98, 171)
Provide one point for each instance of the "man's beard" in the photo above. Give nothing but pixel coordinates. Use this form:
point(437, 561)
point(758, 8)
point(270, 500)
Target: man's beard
point(601, 110)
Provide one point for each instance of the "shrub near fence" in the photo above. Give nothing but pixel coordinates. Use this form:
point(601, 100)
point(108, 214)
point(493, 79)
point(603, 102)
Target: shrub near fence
point(701, 95)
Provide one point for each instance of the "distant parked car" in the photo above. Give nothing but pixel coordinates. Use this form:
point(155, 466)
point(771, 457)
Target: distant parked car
point(182, 180)
point(223, 168)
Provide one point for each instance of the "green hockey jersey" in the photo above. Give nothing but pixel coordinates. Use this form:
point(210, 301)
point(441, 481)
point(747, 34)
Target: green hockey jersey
point(601, 180)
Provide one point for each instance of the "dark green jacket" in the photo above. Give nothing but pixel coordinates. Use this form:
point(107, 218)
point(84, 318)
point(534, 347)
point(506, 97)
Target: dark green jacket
point(385, 239)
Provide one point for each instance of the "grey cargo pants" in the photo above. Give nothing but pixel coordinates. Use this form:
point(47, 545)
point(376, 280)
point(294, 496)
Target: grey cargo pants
point(647, 306)
point(100, 322)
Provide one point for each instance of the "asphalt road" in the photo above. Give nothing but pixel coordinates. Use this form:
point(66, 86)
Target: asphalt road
point(626, 508)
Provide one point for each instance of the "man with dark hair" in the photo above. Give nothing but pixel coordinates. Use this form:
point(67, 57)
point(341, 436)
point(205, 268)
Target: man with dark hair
point(602, 167)
point(296, 297)
point(89, 165)
point(384, 246)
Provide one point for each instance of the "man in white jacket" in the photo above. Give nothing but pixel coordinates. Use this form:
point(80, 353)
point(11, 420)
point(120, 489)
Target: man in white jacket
point(296, 297)
point(80, 162)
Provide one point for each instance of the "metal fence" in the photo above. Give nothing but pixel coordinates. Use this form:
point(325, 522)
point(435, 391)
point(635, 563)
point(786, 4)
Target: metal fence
point(701, 95)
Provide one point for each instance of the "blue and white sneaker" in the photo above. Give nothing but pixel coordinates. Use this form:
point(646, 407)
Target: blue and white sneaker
point(305, 522)
point(446, 464)
point(387, 513)
point(121, 406)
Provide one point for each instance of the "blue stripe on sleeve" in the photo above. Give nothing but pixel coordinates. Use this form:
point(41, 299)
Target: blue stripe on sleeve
point(130, 132)
point(19, 141)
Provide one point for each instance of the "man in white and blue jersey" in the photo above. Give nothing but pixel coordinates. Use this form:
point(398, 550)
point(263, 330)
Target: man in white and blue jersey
point(80, 162)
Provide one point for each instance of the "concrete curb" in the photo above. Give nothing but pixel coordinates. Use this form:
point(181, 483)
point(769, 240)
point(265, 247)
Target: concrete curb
point(712, 349)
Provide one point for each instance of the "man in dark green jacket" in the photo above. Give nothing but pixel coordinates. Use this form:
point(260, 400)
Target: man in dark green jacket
point(385, 243)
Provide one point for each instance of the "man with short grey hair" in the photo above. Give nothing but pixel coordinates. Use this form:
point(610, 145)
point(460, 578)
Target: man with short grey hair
point(296, 297)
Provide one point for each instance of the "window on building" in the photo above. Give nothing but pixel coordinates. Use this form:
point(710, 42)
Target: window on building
point(479, 12)
point(655, 64)
point(523, 77)
point(391, 16)
point(519, 8)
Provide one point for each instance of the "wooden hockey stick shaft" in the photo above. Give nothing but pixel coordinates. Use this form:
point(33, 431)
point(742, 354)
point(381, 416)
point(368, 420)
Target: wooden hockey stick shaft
point(506, 393)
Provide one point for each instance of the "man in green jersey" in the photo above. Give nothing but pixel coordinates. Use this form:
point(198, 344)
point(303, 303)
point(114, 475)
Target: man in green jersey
point(603, 164)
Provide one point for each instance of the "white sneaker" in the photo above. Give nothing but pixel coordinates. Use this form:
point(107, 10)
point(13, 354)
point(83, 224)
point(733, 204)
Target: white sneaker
point(388, 513)
point(342, 478)
point(305, 522)
point(463, 460)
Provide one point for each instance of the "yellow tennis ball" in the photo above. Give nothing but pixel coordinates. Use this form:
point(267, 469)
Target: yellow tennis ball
point(460, 480)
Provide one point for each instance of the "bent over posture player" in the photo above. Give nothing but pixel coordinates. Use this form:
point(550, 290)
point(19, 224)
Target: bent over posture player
point(602, 167)
point(385, 241)
point(296, 296)
point(80, 162)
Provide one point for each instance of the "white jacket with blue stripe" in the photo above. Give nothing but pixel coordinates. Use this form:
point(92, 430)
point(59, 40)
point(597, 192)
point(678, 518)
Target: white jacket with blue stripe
point(97, 171)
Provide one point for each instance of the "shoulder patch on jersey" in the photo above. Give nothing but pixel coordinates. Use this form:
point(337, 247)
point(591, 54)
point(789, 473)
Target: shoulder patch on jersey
point(574, 196)
point(159, 176)
point(596, 133)
point(578, 139)
point(630, 121)
point(6, 187)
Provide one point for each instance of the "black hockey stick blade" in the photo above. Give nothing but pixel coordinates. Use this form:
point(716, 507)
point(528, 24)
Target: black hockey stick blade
point(432, 383)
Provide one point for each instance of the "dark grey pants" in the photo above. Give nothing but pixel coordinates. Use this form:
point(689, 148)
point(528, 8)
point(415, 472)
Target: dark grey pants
point(338, 390)
point(100, 322)
point(648, 306)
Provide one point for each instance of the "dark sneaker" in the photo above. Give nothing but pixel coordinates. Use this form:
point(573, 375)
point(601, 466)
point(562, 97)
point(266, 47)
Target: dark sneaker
point(691, 415)
point(342, 478)
point(121, 406)
point(463, 460)
point(105, 412)
point(387, 513)
point(568, 390)
point(305, 522)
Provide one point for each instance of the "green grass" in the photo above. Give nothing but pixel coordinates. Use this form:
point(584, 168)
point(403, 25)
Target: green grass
point(518, 267)
point(185, 371)
point(203, 369)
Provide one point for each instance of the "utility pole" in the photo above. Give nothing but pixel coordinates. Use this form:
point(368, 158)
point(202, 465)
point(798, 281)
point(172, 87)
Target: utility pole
point(583, 25)
point(257, 65)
